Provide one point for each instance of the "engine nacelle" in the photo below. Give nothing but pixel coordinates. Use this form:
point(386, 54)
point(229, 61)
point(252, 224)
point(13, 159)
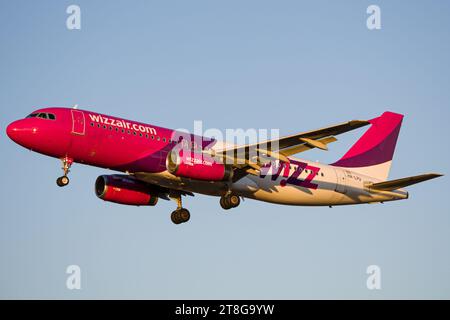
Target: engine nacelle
point(189, 164)
point(124, 190)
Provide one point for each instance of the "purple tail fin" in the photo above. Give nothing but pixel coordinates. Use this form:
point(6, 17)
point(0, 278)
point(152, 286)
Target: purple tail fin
point(373, 152)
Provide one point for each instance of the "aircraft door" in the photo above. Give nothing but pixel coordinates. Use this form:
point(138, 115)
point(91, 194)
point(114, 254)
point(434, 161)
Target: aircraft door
point(78, 122)
point(341, 181)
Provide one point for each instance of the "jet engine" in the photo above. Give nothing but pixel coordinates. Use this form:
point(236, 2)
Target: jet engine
point(196, 165)
point(124, 190)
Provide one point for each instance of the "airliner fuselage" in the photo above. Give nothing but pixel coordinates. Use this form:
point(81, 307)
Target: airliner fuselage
point(142, 151)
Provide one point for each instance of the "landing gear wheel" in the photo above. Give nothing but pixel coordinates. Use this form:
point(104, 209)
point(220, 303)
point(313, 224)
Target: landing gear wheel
point(62, 181)
point(224, 203)
point(174, 217)
point(180, 216)
point(184, 215)
point(229, 201)
point(234, 201)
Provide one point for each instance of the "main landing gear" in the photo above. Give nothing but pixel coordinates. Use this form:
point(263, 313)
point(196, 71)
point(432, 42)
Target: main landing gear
point(229, 201)
point(64, 180)
point(180, 215)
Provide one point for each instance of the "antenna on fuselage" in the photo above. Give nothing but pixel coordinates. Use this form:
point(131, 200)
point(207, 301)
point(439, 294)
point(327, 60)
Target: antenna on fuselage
point(75, 106)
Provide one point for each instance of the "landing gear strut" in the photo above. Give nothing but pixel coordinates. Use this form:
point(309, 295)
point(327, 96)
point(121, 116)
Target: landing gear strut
point(180, 215)
point(229, 201)
point(64, 180)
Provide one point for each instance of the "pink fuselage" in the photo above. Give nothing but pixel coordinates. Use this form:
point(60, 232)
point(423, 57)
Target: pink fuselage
point(99, 140)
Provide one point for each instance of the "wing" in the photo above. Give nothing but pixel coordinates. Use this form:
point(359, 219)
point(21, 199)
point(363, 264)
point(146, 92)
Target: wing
point(248, 159)
point(160, 191)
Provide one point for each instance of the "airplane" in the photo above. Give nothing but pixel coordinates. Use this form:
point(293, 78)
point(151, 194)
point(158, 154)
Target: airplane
point(160, 163)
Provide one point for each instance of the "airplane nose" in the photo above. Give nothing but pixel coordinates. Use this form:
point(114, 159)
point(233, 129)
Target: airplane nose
point(11, 130)
point(17, 132)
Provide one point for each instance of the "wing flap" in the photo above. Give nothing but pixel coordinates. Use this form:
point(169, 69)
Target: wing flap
point(306, 146)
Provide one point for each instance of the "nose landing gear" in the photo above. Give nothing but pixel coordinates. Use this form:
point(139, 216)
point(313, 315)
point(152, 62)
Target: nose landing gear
point(180, 215)
point(229, 201)
point(64, 180)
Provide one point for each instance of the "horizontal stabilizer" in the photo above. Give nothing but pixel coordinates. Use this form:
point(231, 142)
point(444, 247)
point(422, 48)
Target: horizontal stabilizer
point(404, 182)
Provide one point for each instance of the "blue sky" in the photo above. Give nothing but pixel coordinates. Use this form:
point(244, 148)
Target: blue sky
point(290, 65)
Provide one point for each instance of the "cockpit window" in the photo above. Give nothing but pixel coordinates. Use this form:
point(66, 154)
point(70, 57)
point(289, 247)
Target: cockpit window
point(42, 115)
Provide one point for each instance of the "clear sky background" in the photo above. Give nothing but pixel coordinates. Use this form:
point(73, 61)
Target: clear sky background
point(292, 65)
